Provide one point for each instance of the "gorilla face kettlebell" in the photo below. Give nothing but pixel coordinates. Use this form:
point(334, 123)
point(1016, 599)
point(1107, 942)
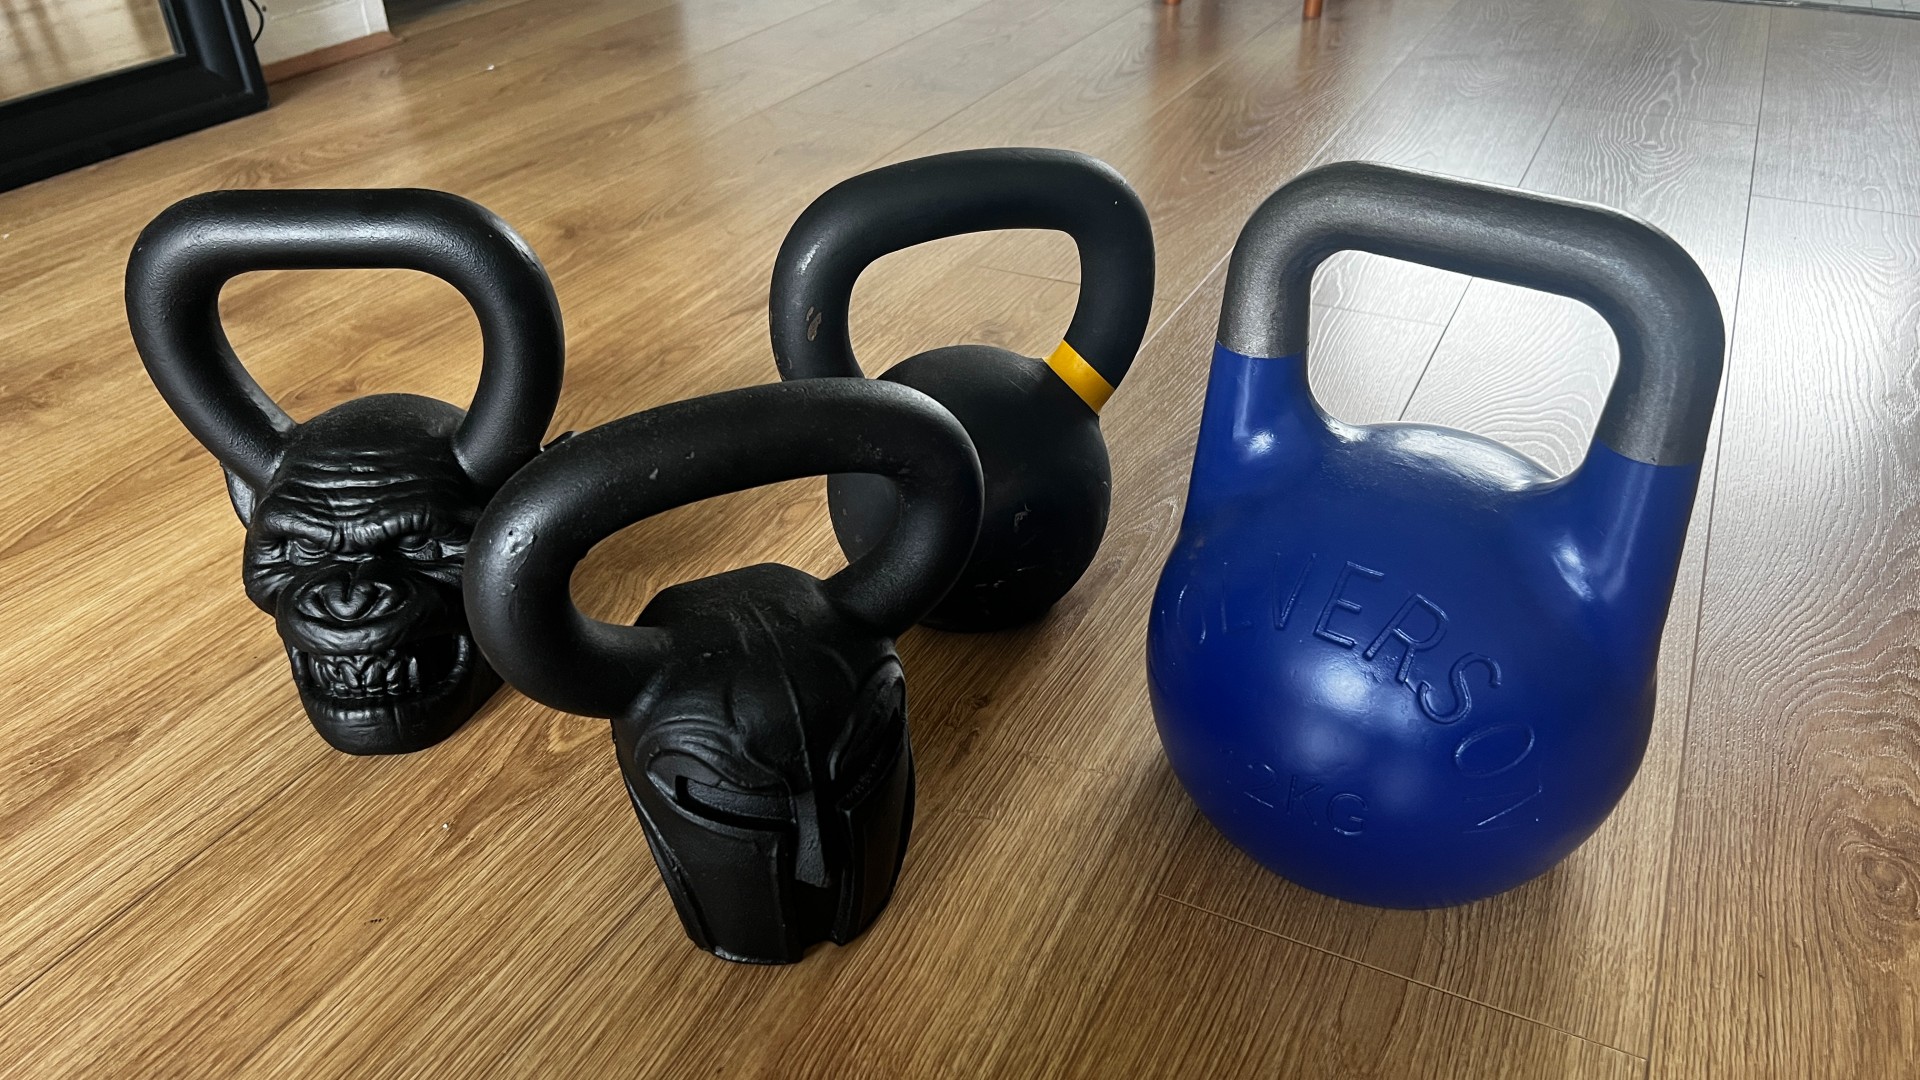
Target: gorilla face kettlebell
point(1400, 664)
point(1035, 424)
point(357, 520)
point(759, 715)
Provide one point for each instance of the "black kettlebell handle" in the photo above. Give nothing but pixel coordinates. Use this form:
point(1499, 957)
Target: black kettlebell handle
point(187, 254)
point(583, 490)
point(1650, 291)
point(876, 213)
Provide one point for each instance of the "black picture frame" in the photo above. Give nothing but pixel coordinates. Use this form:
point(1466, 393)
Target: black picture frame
point(214, 77)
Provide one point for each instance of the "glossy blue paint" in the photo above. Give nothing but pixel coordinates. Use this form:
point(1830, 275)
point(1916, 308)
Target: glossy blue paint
point(1401, 664)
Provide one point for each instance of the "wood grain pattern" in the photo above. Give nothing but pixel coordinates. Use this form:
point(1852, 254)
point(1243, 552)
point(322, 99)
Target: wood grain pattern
point(830, 37)
point(1284, 1001)
point(948, 68)
point(192, 885)
point(1106, 82)
point(1702, 61)
point(1841, 119)
point(1793, 946)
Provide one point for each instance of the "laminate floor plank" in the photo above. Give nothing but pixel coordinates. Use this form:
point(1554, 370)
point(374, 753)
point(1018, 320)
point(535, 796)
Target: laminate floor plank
point(1840, 121)
point(1792, 947)
point(1104, 84)
point(1208, 997)
point(372, 99)
point(950, 67)
point(825, 39)
point(1703, 61)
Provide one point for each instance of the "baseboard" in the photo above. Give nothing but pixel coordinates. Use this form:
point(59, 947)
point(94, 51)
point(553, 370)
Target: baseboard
point(327, 57)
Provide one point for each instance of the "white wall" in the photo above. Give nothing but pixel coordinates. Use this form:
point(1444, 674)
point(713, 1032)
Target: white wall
point(301, 26)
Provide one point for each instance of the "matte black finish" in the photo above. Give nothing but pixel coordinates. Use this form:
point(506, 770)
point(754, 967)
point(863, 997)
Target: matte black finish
point(1048, 481)
point(214, 77)
point(759, 715)
point(1645, 285)
point(357, 520)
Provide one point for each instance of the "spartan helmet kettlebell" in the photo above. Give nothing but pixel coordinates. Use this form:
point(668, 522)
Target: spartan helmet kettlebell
point(1400, 664)
point(357, 519)
point(1036, 425)
point(759, 715)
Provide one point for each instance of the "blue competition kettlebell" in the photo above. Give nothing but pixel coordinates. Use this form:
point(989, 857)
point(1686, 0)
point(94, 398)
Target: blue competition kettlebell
point(1400, 664)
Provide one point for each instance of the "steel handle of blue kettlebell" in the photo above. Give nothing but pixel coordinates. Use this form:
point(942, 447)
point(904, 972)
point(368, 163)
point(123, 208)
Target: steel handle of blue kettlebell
point(583, 490)
point(861, 219)
point(187, 254)
point(1650, 291)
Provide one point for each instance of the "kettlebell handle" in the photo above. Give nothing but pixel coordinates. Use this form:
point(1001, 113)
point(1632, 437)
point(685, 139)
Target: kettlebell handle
point(186, 255)
point(583, 490)
point(1660, 306)
point(861, 219)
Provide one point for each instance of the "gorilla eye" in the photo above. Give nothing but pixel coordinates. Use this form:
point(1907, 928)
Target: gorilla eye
point(424, 548)
point(302, 550)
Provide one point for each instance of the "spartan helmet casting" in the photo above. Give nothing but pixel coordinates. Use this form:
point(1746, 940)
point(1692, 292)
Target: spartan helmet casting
point(358, 519)
point(759, 715)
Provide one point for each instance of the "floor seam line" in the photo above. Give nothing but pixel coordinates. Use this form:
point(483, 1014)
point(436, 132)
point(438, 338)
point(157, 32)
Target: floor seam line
point(1914, 213)
point(1700, 602)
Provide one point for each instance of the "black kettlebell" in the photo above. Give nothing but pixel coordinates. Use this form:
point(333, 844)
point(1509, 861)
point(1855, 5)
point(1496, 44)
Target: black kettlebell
point(357, 520)
point(1035, 424)
point(759, 715)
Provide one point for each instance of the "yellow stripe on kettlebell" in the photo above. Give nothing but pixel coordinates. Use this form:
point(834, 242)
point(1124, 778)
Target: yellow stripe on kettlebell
point(1073, 369)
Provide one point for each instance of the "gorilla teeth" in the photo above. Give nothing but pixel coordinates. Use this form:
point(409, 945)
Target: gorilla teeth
point(357, 675)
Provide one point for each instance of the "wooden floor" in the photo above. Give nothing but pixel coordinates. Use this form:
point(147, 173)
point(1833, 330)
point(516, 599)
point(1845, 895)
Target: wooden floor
point(193, 885)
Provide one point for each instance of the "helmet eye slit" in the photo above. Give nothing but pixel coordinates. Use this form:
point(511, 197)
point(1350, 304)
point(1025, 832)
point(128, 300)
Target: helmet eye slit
point(747, 809)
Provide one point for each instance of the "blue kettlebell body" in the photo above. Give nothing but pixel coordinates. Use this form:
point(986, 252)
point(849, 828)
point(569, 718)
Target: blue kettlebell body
point(1401, 664)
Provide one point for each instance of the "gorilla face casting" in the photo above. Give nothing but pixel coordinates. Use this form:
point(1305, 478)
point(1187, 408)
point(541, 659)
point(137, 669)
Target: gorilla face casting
point(356, 550)
point(358, 519)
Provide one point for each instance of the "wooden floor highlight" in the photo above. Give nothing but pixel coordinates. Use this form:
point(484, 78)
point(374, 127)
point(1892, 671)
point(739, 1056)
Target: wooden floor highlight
point(193, 885)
